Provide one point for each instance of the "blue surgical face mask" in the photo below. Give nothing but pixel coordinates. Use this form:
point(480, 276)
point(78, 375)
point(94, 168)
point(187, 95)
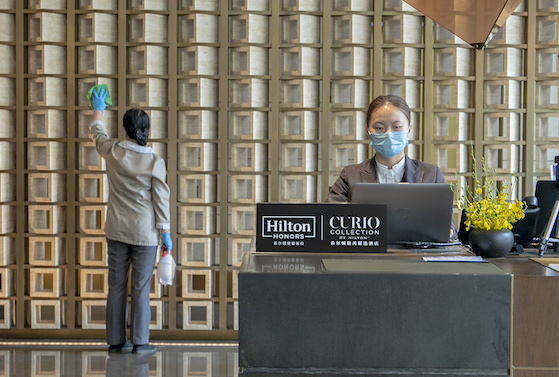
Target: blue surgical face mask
point(389, 144)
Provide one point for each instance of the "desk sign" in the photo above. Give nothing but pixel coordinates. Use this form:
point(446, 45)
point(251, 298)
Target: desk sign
point(357, 228)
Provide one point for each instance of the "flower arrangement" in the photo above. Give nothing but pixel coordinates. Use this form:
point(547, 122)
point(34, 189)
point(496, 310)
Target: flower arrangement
point(491, 211)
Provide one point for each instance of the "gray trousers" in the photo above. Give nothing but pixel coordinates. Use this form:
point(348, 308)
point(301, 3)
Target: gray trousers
point(142, 259)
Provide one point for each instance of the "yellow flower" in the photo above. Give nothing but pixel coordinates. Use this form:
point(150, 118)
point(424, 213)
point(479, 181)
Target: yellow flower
point(491, 211)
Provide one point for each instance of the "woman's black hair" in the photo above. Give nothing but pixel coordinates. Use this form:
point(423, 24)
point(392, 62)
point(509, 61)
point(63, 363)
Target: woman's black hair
point(392, 99)
point(136, 124)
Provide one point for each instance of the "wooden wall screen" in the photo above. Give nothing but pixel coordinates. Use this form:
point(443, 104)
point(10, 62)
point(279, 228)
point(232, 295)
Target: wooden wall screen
point(250, 101)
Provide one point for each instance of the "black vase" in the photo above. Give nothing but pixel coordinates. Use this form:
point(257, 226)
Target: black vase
point(491, 243)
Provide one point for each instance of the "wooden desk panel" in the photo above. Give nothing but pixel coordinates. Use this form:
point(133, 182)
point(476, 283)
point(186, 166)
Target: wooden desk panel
point(535, 322)
point(535, 373)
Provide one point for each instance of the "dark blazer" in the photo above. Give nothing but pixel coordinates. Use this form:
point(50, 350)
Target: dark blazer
point(415, 172)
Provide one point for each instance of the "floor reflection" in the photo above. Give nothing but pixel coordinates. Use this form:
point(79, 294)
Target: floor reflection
point(70, 359)
point(92, 359)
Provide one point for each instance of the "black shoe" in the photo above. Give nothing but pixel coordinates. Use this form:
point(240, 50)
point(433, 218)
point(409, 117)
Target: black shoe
point(121, 348)
point(143, 349)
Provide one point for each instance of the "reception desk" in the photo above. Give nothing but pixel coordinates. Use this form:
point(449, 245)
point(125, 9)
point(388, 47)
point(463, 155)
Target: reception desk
point(373, 313)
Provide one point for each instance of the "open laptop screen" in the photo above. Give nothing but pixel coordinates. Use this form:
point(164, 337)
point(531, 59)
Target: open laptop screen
point(416, 212)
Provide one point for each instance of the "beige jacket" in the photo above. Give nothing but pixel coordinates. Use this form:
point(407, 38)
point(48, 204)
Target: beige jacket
point(138, 202)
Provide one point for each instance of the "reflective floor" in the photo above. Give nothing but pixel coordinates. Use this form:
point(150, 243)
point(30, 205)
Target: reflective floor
point(83, 358)
point(172, 359)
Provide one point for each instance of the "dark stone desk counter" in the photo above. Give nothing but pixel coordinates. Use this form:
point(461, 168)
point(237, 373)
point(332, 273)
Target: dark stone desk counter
point(372, 312)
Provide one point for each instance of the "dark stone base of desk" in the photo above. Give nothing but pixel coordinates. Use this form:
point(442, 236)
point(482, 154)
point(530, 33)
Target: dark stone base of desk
point(374, 314)
point(369, 373)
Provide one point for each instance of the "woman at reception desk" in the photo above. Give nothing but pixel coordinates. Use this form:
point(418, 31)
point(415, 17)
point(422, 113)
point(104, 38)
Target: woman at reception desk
point(388, 126)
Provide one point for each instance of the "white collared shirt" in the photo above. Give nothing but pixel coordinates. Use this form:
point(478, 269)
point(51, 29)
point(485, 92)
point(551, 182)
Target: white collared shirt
point(127, 144)
point(394, 175)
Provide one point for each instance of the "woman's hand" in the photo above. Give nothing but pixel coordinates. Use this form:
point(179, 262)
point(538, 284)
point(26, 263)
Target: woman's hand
point(167, 241)
point(98, 99)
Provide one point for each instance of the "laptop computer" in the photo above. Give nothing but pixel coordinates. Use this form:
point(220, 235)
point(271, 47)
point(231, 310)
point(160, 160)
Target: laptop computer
point(417, 213)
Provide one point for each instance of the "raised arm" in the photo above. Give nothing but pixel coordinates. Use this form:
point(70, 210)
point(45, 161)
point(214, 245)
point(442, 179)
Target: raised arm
point(96, 127)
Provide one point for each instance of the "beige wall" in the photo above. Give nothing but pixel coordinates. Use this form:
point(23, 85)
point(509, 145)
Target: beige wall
point(250, 101)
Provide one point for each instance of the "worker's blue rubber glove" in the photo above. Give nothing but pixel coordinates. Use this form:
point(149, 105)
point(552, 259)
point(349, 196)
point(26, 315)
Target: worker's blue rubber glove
point(167, 241)
point(98, 99)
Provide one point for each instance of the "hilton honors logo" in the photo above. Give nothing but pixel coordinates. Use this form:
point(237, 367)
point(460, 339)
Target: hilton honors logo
point(289, 227)
point(320, 227)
